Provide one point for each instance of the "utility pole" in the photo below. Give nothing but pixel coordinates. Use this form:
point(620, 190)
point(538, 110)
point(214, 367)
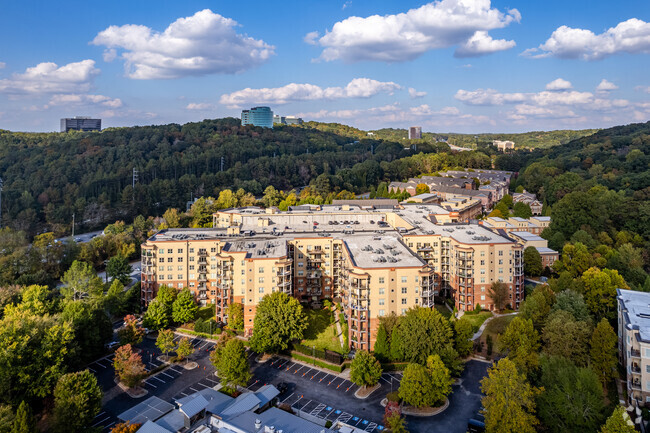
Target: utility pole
point(73, 225)
point(134, 180)
point(222, 163)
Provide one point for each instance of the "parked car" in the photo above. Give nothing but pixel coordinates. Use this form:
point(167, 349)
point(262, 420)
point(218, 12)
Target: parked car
point(113, 345)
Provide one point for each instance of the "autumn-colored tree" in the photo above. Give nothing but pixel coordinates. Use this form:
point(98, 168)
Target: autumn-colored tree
point(509, 400)
point(128, 366)
point(131, 332)
point(600, 291)
point(498, 292)
point(126, 427)
point(184, 348)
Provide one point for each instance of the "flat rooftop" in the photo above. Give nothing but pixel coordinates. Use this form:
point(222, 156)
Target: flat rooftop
point(637, 315)
point(258, 248)
point(381, 251)
point(188, 234)
point(527, 236)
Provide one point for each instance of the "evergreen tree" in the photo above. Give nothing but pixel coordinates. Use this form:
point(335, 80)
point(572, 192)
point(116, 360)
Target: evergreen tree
point(24, 421)
point(365, 369)
point(236, 316)
point(603, 352)
point(232, 364)
point(382, 347)
point(464, 333)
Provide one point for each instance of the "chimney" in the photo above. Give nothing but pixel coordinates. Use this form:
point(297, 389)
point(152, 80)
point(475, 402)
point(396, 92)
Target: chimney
point(258, 424)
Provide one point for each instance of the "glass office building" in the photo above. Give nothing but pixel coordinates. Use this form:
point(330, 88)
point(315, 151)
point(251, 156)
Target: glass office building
point(258, 116)
point(80, 123)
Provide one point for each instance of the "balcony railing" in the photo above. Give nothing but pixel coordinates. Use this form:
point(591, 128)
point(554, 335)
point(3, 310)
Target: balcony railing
point(635, 353)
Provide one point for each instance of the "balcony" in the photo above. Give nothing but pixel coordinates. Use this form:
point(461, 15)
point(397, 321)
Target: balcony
point(428, 293)
point(634, 385)
point(635, 353)
point(634, 368)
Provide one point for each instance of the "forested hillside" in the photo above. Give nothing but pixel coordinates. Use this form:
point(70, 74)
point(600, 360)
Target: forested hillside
point(48, 177)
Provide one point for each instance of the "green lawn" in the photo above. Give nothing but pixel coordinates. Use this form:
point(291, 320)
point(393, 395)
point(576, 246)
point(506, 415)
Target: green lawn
point(477, 319)
point(495, 328)
point(321, 331)
point(442, 309)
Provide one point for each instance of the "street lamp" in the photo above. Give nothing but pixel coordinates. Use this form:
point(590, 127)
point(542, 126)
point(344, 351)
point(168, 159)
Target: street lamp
point(313, 354)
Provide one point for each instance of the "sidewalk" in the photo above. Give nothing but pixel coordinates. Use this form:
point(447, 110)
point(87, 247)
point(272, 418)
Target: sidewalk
point(480, 330)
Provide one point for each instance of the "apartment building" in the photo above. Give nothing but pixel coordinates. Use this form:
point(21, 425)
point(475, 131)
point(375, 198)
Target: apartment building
point(534, 224)
point(372, 261)
point(634, 343)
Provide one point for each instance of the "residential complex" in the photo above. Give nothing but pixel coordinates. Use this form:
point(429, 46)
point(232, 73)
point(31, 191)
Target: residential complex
point(257, 116)
point(530, 199)
point(374, 260)
point(634, 343)
point(415, 132)
point(504, 146)
point(81, 123)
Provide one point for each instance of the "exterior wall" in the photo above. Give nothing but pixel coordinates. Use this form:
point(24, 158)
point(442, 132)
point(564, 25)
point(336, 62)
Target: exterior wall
point(549, 259)
point(635, 357)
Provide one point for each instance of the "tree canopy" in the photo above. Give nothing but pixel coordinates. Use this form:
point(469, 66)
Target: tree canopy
point(279, 319)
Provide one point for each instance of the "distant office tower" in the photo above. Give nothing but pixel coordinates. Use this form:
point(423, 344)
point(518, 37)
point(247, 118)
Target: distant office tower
point(415, 132)
point(80, 123)
point(257, 116)
point(287, 120)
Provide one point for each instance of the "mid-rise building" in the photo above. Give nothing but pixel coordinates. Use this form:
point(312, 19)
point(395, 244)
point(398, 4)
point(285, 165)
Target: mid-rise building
point(374, 260)
point(258, 116)
point(287, 120)
point(81, 123)
point(504, 146)
point(415, 132)
point(634, 343)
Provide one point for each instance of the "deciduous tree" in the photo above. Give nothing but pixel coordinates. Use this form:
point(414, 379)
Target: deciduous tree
point(24, 421)
point(184, 307)
point(521, 341)
point(184, 348)
point(232, 364)
point(537, 306)
point(236, 316)
point(498, 293)
point(618, 422)
point(279, 319)
point(81, 281)
point(420, 332)
point(566, 337)
point(464, 333)
point(600, 291)
point(157, 315)
point(574, 303)
point(365, 369)
point(126, 427)
point(119, 268)
point(165, 341)
point(532, 262)
point(77, 400)
point(131, 332)
point(382, 346)
point(509, 402)
point(128, 366)
point(425, 386)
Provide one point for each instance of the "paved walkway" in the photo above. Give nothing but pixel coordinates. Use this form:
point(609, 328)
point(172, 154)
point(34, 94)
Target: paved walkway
point(480, 330)
point(338, 327)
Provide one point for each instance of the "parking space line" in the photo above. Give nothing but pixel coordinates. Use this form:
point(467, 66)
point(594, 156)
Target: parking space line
point(168, 375)
point(150, 384)
point(211, 380)
point(204, 344)
point(195, 390)
point(298, 369)
point(158, 379)
point(109, 426)
point(288, 366)
point(321, 379)
point(371, 427)
point(94, 371)
point(306, 372)
point(99, 414)
point(317, 409)
point(303, 404)
point(100, 364)
point(98, 423)
point(177, 371)
point(287, 398)
point(203, 384)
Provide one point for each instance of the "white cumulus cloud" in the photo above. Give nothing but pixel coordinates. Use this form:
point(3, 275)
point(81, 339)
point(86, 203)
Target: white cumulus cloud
point(559, 84)
point(200, 106)
point(79, 99)
point(406, 36)
point(414, 94)
point(631, 36)
point(48, 77)
point(606, 86)
point(357, 88)
point(204, 43)
point(488, 97)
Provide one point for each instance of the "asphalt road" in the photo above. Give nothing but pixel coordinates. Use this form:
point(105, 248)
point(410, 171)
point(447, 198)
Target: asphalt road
point(81, 238)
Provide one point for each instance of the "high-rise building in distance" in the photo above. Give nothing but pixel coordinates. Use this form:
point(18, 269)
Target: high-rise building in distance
point(415, 132)
point(81, 123)
point(257, 116)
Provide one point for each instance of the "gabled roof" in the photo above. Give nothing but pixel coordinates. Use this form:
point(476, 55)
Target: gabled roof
point(194, 406)
point(152, 427)
point(266, 394)
point(241, 404)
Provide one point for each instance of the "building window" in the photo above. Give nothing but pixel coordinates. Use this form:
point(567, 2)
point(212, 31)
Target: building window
point(403, 311)
point(170, 259)
point(403, 301)
point(161, 268)
point(482, 253)
point(404, 279)
point(180, 277)
point(169, 277)
point(381, 280)
point(180, 251)
point(381, 313)
point(180, 260)
point(170, 251)
point(191, 259)
point(417, 279)
point(161, 251)
point(482, 281)
point(482, 297)
point(482, 262)
point(170, 268)
point(213, 250)
point(180, 268)
point(482, 271)
point(381, 290)
point(500, 261)
point(261, 290)
point(404, 289)
point(261, 280)
point(191, 276)
point(381, 302)
point(500, 253)
point(501, 270)
point(260, 270)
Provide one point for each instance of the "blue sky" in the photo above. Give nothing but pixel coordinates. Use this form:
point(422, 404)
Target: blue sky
point(448, 65)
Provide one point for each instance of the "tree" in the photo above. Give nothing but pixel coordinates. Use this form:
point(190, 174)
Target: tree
point(566, 337)
point(365, 369)
point(537, 306)
point(24, 421)
point(422, 188)
point(131, 332)
point(574, 303)
point(521, 341)
point(92, 330)
point(382, 346)
point(499, 294)
point(522, 210)
point(618, 422)
point(575, 259)
point(603, 351)
point(600, 291)
point(34, 353)
point(7, 417)
point(165, 341)
point(184, 308)
point(184, 348)
point(425, 386)
point(396, 423)
point(509, 402)
point(81, 281)
point(420, 332)
point(126, 427)
point(572, 400)
point(172, 219)
point(532, 262)
point(279, 319)
point(232, 364)
point(464, 333)
point(236, 316)
point(157, 315)
point(128, 366)
point(118, 268)
point(37, 299)
point(77, 400)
